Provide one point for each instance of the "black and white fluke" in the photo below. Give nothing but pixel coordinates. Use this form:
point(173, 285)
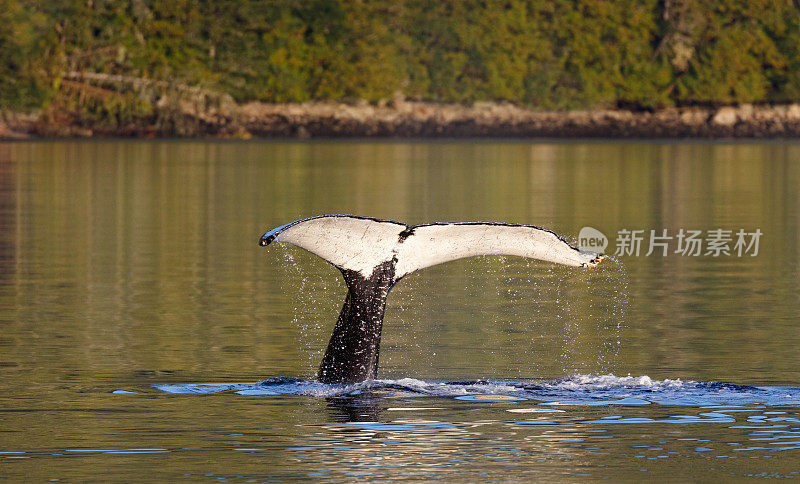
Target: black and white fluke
point(374, 254)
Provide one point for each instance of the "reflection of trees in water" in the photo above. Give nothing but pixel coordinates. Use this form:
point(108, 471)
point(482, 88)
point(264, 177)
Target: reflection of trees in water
point(8, 251)
point(8, 208)
point(145, 255)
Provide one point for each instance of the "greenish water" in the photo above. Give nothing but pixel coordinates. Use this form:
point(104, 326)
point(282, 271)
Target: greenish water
point(127, 265)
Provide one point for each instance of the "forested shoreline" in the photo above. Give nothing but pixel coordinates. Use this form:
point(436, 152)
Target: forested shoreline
point(181, 68)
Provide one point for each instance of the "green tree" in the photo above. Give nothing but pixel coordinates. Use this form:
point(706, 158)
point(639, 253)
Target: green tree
point(552, 54)
point(28, 52)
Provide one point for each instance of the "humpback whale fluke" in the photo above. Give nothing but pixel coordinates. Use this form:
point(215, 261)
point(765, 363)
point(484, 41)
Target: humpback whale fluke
point(374, 254)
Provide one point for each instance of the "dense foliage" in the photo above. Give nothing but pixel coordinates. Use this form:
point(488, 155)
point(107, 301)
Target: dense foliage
point(553, 54)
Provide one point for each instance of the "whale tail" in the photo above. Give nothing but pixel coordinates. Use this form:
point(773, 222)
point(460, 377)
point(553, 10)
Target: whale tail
point(374, 254)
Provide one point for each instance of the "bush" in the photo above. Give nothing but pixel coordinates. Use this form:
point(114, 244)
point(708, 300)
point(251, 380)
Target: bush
point(553, 54)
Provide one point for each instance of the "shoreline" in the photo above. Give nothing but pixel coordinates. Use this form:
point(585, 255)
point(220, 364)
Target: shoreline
point(401, 119)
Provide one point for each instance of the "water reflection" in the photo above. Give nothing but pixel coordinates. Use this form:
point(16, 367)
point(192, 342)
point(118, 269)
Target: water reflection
point(124, 249)
point(359, 409)
point(125, 265)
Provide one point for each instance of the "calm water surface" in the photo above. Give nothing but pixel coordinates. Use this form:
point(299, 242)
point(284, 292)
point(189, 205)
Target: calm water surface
point(145, 336)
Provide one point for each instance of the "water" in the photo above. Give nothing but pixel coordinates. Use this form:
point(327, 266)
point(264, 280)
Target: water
point(145, 336)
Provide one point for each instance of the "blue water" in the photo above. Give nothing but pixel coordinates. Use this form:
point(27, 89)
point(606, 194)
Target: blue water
point(584, 426)
point(130, 271)
point(578, 390)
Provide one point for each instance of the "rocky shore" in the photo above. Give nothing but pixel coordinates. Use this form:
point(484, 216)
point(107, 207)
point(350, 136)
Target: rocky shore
point(404, 119)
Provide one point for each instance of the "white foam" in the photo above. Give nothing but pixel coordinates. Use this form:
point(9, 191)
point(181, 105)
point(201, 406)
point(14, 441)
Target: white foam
point(610, 381)
point(577, 389)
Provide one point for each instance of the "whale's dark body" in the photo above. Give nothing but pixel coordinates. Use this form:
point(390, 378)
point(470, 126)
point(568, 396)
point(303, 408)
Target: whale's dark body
point(374, 254)
point(354, 347)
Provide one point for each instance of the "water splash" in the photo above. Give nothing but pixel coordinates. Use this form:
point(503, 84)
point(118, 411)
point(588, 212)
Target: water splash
point(611, 282)
point(314, 306)
point(588, 308)
point(575, 390)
